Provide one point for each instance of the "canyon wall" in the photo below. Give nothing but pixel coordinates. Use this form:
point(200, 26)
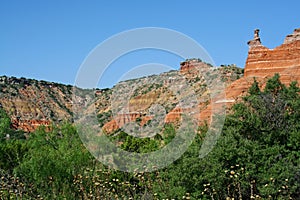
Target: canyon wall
point(262, 63)
point(284, 59)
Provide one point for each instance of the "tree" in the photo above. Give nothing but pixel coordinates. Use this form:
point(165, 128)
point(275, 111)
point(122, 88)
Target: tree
point(254, 89)
point(265, 127)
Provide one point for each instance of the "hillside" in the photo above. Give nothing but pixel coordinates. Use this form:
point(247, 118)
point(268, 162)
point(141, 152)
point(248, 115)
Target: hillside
point(31, 103)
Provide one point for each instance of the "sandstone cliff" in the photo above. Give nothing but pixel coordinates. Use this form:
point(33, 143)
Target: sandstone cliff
point(262, 63)
point(284, 59)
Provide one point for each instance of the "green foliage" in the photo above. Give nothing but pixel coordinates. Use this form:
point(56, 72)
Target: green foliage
point(104, 117)
point(254, 89)
point(257, 155)
point(135, 144)
point(168, 133)
point(4, 124)
point(12, 187)
point(264, 129)
point(12, 153)
point(53, 159)
point(274, 85)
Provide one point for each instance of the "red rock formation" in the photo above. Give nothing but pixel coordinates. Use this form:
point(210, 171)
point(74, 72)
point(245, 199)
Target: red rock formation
point(30, 125)
point(30, 103)
point(233, 94)
point(284, 59)
point(122, 119)
point(191, 64)
point(110, 126)
point(173, 116)
point(262, 63)
point(142, 102)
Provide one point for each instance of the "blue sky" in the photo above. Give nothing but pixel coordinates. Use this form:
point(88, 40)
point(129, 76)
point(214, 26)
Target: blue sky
point(49, 40)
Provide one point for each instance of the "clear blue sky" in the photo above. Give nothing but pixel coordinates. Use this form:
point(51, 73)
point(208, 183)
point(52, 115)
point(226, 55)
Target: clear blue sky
point(49, 40)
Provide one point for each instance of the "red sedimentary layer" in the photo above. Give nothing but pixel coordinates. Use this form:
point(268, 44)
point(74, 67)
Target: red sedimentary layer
point(120, 120)
point(262, 63)
point(191, 65)
point(30, 125)
point(284, 59)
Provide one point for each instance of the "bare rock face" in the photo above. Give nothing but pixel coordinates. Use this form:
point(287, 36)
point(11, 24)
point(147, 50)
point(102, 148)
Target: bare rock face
point(284, 59)
point(31, 103)
point(293, 37)
point(262, 63)
point(256, 40)
point(30, 125)
point(190, 65)
point(173, 116)
point(120, 120)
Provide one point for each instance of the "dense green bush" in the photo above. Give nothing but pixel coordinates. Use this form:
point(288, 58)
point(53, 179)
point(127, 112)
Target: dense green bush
point(53, 159)
point(4, 124)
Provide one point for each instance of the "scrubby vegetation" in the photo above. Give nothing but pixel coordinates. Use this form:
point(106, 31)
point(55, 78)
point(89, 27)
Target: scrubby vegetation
point(257, 157)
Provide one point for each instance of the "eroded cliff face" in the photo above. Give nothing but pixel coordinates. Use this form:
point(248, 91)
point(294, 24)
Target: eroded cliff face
point(193, 74)
point(30, 125)
point(284, 59)
point(262, 63)
point(31, 104)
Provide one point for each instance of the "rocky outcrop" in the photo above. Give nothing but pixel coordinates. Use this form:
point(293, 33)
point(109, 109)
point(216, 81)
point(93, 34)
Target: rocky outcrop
point(262, 63)
point(256, 40)
point(284, 59)
point(30, 125)
point(120, 120)
point(295, 36)
point(189, 65)
point(173, 116)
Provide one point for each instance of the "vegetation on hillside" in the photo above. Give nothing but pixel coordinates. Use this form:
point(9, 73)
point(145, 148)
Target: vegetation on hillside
point(257, 157)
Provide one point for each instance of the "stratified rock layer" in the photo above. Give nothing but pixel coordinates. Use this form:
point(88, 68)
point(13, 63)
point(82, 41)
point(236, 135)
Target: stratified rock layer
point(262, 63)
point(284, 59)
